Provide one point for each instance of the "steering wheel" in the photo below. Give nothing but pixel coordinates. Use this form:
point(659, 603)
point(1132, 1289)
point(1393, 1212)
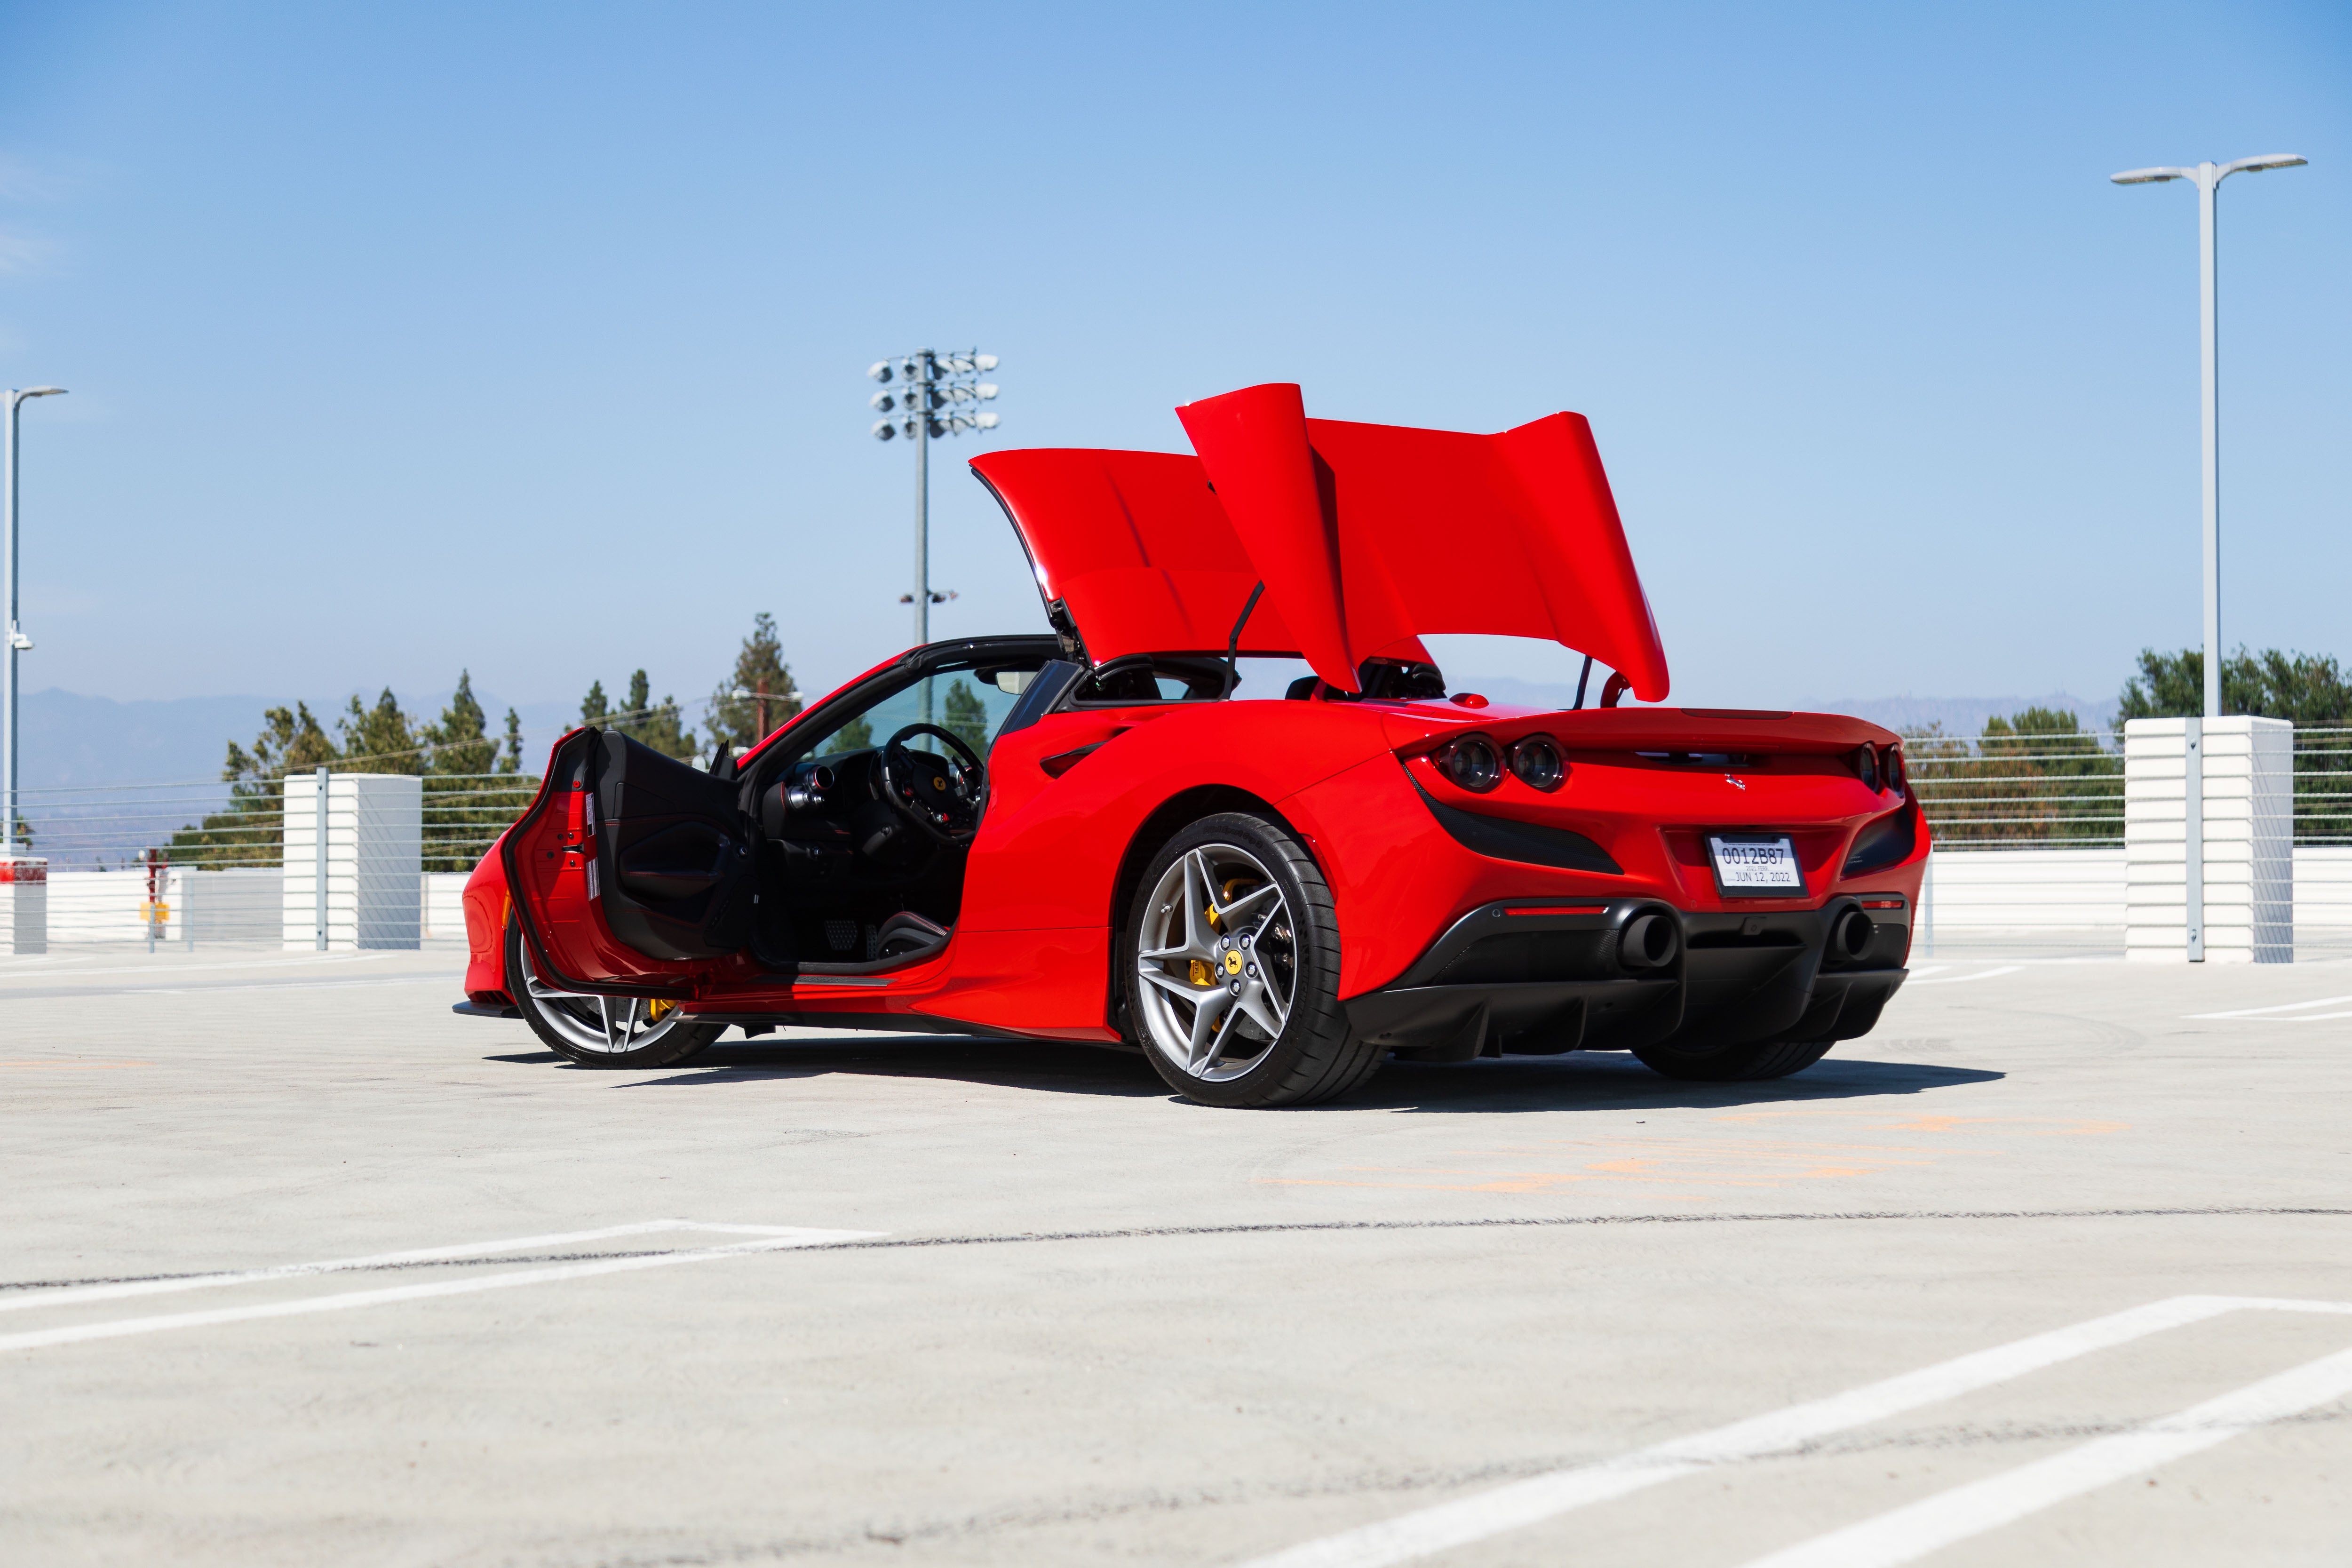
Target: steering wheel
point(943, 800)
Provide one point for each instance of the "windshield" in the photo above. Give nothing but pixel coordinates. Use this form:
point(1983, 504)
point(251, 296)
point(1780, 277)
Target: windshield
point(970, 702)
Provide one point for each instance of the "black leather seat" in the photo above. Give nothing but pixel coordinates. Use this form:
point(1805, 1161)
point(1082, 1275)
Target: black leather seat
point(907, 934)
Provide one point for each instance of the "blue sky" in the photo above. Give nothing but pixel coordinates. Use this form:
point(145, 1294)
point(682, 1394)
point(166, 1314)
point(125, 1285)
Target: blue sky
point(531, 339)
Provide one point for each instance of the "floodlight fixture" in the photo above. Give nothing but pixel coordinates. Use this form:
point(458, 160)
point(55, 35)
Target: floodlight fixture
point(2267, 161)
point(936, 383)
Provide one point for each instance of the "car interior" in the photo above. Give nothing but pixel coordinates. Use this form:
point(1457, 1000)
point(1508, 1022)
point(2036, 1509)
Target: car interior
point(865, 817)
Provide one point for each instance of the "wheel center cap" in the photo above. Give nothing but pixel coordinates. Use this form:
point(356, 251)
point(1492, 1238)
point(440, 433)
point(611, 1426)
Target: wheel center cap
point(1233, 962)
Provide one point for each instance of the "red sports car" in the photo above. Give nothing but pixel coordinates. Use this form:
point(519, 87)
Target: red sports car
point(1228, 813)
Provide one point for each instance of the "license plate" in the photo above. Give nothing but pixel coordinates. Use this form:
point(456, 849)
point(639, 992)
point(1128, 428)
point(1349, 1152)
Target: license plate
point(1756, 866)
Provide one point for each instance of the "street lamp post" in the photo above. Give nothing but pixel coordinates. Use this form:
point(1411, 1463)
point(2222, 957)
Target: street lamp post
point(14, 632)
point(926, 406)
point(2209, 178)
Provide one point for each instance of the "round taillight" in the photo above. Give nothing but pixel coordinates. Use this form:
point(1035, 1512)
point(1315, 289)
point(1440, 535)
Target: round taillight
point(1893, 768)
point(1865, 762)
point(1535, 761)
point(1472, 762)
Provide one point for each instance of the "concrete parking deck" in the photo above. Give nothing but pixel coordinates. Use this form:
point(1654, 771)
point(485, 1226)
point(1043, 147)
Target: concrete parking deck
point(296, 1267)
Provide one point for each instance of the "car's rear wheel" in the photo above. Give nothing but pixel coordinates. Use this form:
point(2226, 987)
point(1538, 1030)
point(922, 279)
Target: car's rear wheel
point(1230, 960)
point(1735, 1064)
point(601, 1031)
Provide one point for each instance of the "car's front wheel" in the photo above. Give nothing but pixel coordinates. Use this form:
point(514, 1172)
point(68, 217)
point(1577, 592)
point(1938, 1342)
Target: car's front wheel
point(601, 1031)
point(1230, 961)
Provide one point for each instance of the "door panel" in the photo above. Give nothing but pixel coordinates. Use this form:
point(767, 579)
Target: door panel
point(673, 852)
point(631, 872)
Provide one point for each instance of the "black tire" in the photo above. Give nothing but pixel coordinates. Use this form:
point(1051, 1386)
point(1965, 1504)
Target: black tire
point(1316, 1056)
point(1735, 1064)
point(561, 1021)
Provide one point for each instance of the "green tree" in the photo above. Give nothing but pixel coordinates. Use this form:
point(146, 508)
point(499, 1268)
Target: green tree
point(2031, 777)
point(460, 741)
point(655, 724)
point(747, 707)
point(2308, 688)
point(380, 740)
point(471, 794)
point(251, 829)
point(964, 716)
point(640, 717)
point(853, 736)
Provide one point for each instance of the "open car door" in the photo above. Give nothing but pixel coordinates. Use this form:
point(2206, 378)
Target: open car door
point(632, 872)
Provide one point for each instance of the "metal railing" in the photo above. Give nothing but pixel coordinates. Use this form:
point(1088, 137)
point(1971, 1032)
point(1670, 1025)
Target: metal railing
point(2027, 792)
point(207, 825)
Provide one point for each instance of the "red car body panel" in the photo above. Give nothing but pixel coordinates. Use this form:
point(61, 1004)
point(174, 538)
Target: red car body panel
point(1371, 535)
point(1364, 536)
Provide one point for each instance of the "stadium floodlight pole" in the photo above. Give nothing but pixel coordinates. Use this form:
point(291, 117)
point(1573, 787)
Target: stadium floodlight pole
point(2209, 178)
point(18, 642)
point(934, 383)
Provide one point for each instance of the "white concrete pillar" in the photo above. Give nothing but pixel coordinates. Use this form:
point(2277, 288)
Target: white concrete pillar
point(2247, 865)
point(376, 853)
point(24, 904)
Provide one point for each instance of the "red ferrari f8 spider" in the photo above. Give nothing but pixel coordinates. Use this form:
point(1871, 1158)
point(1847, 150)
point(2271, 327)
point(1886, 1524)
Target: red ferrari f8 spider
point(1140, 829)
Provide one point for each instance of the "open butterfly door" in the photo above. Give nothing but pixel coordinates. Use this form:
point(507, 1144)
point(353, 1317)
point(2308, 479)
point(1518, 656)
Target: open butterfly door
point(632, 872)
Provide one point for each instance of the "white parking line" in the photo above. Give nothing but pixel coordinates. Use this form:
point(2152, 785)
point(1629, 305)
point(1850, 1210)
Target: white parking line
point(120, 1289)
point(1540, 1498)
point(2303, 1007)
point(1909, 1533)
point(165, 966)
point(767, 1239)
point(1956, 979)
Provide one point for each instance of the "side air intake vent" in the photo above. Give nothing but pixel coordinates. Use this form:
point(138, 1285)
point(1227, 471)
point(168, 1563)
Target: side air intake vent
point(1886, 842)
point(1529, 843)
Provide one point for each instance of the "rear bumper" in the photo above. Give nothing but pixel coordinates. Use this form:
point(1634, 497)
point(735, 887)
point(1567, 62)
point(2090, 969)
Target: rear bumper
point(1543, 976)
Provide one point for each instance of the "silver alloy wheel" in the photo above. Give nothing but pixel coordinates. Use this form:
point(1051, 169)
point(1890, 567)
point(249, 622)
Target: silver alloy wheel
point(608, 1025)
point(1218, 963)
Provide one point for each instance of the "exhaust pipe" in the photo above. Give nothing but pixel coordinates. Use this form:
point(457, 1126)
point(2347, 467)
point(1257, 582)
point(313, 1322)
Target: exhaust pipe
point(1851, 936)
point(1650, 943)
